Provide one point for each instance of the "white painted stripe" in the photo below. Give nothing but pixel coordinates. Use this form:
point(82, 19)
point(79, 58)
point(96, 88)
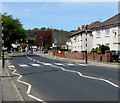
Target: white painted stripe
point(35, 64)
point(11, 66)
point(29, 86)
point(38, 61)
point(82, 64)
point(84, 76)
point(58, 64)
point(46, 63)
point(70, 64)
point(35, 98)
point(23, 65)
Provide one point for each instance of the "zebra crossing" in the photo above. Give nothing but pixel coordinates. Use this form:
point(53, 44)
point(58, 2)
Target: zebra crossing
point(41, 64)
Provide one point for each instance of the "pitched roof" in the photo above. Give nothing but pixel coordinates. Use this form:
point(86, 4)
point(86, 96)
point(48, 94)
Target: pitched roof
point(113, 21)
point(88, 28)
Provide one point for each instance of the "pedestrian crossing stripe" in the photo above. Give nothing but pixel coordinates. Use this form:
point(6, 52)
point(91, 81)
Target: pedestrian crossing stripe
point(11, 66)
point(49, 64)
point(58, 64)
point(70, 64)
point(35, 64)
point(82, 64)
point(46, 63)
point(23, 65)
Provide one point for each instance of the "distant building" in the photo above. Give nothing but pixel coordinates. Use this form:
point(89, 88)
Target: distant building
point(59, 37)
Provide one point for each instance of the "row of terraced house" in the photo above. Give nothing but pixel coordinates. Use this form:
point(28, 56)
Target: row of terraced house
point(98, 33)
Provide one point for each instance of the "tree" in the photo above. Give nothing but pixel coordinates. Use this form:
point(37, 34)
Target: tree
point(103, 48)
point(12, 30)
point(44, 37)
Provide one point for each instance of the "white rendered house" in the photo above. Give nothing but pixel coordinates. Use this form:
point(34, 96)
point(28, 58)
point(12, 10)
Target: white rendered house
point(107, 33)
point(79, 42)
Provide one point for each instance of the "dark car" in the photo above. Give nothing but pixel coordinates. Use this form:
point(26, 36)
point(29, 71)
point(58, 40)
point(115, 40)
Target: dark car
point(31, 51)
point(116, 56)
point(45, 51)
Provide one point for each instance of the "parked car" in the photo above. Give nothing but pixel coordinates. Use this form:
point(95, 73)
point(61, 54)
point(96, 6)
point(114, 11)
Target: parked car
point(45, 51)
point(31, 51)
point(116, 56)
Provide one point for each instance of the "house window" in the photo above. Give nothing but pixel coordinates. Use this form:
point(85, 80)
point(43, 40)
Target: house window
point(114, 33)
point(107, 32)
point(98, 44)
point(98, 33)
point(107, 44)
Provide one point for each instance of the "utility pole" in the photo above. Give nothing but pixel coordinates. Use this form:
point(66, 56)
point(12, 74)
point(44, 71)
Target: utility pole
point(86, 45)
point(3, 59)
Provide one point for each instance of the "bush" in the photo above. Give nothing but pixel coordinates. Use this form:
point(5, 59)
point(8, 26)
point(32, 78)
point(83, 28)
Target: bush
point(101, 49)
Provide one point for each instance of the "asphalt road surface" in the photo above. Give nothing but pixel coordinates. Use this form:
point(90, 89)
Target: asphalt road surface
point(54, 80)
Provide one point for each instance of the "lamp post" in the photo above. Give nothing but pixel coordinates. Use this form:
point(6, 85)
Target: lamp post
point(42, 43)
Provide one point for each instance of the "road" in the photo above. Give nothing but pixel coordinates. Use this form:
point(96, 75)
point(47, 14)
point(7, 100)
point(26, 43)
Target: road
point(55, 80)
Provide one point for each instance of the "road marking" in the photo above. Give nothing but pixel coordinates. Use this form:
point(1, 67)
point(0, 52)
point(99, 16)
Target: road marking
point(82, 64)
point(46, 63)
point(29, 86)
point(58, 64)
point(84, 76)
point(11, 66)
point(34, 60)
point(38, 61)
point(35, 65)
point(23, 65)
point(20, 96)
point(70, 64)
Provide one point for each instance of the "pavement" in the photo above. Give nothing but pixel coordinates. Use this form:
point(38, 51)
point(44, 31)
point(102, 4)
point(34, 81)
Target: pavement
point(8, 90)
point(90, 62)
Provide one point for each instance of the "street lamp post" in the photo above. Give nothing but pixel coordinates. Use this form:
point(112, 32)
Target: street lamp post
point(42, 43)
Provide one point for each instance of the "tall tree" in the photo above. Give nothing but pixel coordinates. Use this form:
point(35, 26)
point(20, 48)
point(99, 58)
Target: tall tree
point(12, 30)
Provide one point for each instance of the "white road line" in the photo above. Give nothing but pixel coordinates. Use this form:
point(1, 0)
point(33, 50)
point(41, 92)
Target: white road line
point(38, 61)
point(70, 64)
point(35, 65)
point(11, 66)
point(46, 63)
point(23, 65)
point(34, 60)
point(82, 64)
point(58, 64)
point(84, 76)
point(100, 79)
point(29, 86)
point(20, 96)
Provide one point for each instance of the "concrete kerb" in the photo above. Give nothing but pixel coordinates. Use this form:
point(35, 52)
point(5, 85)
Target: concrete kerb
point(10, 91)
point(90, 62)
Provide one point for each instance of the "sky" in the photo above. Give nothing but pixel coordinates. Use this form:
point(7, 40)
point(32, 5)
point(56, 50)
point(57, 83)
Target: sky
point(59, 15)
